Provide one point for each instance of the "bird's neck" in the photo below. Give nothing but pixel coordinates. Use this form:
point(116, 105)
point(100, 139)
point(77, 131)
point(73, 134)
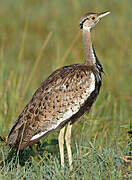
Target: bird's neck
point(89, 53)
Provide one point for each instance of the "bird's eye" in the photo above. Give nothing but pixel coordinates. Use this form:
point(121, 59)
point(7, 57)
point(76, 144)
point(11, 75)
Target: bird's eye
point(93, 18)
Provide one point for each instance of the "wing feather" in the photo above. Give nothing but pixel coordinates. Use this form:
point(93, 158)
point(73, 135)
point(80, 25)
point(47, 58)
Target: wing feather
point(57, 100)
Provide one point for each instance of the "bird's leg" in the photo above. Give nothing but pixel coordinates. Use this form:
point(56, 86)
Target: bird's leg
point(68, 144)
point(61, 147)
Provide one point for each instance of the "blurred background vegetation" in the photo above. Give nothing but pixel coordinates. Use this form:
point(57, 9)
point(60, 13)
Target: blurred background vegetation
point(36, 37)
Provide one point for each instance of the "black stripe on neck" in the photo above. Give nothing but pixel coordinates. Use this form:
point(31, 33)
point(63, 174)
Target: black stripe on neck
point(98, 64)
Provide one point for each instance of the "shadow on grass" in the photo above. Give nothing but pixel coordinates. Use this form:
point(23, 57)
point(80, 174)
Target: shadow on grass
point(37, 151)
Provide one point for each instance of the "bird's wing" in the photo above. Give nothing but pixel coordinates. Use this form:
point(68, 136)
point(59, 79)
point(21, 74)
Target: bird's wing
point(57, 100)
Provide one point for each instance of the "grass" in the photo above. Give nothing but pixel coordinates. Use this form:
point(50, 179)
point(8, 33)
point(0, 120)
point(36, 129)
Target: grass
point(36, 37)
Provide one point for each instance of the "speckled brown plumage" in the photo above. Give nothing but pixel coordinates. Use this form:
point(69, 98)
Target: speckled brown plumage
point(62, 98)
point(62, 90)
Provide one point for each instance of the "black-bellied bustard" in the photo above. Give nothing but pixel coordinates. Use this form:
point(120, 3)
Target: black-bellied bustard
point(62, 98)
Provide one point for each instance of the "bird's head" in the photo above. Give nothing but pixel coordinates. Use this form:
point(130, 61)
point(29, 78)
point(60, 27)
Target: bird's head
point(89, 20)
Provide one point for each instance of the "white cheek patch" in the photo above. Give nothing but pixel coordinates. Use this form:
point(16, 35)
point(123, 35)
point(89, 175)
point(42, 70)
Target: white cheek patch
point(86, 28)
point(71, 111)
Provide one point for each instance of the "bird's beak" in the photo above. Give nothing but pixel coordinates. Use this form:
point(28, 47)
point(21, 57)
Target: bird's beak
point(101, 15)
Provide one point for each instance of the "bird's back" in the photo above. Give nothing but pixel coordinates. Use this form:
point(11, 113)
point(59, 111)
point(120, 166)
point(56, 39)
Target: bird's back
point(65, 95)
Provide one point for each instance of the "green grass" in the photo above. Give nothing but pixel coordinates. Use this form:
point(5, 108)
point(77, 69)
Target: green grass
point(36, 37)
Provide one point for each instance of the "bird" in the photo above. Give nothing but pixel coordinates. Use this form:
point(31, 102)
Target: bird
point(62, 98)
